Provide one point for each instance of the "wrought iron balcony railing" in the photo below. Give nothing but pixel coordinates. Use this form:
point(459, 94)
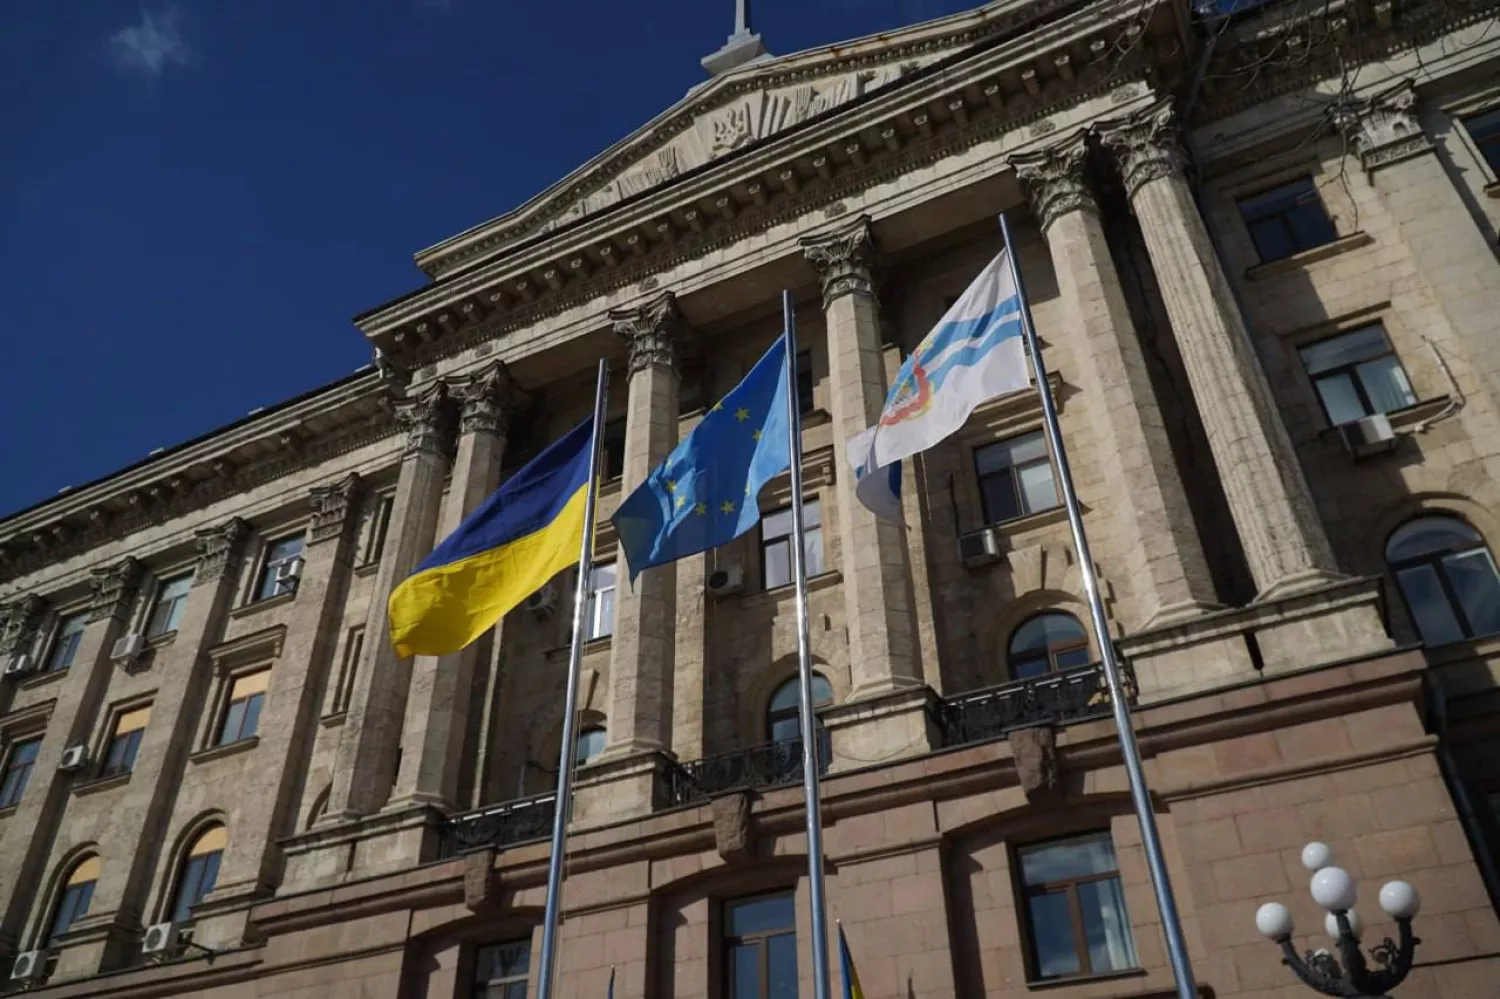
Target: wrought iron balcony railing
point(523, 821)
point(1059, 698)
point(756, 768)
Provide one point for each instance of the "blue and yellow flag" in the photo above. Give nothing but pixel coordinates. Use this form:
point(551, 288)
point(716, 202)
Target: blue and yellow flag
point(528, 531)
point(851, 977)
point(704, 494)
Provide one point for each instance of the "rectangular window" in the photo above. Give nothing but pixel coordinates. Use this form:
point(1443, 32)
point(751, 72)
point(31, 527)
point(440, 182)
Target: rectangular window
point(171, 598)
point(804, 382)
point(380, 520)
point(501, 971)
point(119, 758)
point(601, 612)
point(280, 568)
point(776, 544)
point(18, 766)
point(614, 450)
point(1484, 129)
point(354, 647)
point(242, 714)
point(1075, 907)
point(66, 641)
point(760, 947)
point(1015, 478)
point(1357, 374)
point(1287, 220)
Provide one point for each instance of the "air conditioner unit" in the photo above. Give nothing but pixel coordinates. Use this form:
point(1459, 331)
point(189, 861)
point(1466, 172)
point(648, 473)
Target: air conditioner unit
point(1368, 436)
point(128, 647)
point(542, 602)
point(726, 581)
point(286, 576)
point(18, 666)
point(29, 966)
point(73, 758)
point(978, 548)
point(161, 938)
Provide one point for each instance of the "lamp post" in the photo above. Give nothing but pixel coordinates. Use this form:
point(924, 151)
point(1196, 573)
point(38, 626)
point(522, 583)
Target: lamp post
point(1347, 975)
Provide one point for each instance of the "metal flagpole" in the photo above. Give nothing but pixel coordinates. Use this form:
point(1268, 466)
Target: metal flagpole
point(548, 972)
point(810, 746)
point(1177, 952)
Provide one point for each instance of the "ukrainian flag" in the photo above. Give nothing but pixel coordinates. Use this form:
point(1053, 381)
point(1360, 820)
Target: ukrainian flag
point(851, 977)
point(528, 531)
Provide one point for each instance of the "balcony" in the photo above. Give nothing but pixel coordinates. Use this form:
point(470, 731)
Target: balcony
point(756, 768)
point(499, 826)
point(1056, 698)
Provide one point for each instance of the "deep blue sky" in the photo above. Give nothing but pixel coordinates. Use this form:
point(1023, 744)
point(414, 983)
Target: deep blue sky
point(196, 198)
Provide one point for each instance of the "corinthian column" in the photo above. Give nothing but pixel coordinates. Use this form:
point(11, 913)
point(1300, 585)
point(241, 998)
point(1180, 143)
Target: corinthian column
point(366, 761)
point(642, 649)
point(877, 576)
point(439, 701)
point(1161, 553)
point(1273, 510)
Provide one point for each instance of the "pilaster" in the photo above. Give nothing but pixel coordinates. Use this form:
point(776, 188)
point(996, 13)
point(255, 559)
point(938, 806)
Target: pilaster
point(877, 576)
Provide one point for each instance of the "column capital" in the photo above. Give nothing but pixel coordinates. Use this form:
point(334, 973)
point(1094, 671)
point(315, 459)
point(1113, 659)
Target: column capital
point(331, 506)
point(1384, 128)
point(654, 333)
point(1056, 179)
point(844, 258)
point(22, 619)
point(219, 550)
point(1144, 145)
point(486, 400)
point(427, 420)
point(112, 589)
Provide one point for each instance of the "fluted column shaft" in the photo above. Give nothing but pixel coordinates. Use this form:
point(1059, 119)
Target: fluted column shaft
point(1162, 554)
point(1284, 541)
point(877, 574)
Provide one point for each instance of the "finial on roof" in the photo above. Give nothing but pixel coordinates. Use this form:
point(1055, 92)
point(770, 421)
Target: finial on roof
point(742, 48)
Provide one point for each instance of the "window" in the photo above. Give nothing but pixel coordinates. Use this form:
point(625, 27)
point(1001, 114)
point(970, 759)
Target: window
point(1356, 375)
point(126, 742)
point(776, 544)
point(171, 598)
point(601, 613)
point(501, 970)
point(77, 893)
point(1015, 478)
point(1075, 907)
point(18, 771)
point(782, 716)
point(279, 571)
point(354, 648)
point(1484, 129)
point(1287, 220)
point(200, 870)
point(1447, 578)
point(614, 450)
point(804, 382)
point(242, 715)
point(380, 522)
point(65, 643)
point(760, 947)
point(591, 743)
point(1047, 643)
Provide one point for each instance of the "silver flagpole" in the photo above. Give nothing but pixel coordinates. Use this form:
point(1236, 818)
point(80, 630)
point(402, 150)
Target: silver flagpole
point(810, 746)
point(1177, 951)
point(547, 975)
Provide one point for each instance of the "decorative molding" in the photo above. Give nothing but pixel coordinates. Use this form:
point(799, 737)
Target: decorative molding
point(23, 619)
point(1056, 179)
point(1144, 145)
point(331, 506)
point(250, 650)
point(427, 419)
point(1384, 129)
point(487, 400)
point(219, 550)
point(844, 258)
point(654, 333)
point(113, 589)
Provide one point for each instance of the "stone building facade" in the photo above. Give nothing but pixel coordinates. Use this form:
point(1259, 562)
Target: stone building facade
point(1267, 292)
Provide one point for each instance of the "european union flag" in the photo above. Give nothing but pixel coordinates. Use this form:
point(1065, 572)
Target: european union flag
point(705, 493)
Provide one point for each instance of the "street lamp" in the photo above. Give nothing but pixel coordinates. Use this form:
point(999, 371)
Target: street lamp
point(1334, 890)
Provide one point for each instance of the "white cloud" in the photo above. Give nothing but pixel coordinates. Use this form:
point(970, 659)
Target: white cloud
point(152, 45)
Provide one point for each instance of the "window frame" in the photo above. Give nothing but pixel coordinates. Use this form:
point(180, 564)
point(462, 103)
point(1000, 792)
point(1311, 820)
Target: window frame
point(68, 899)
point(130, 740)
point(11, 793)
point(770, 543)
point(729, 940)
point(578, 758)
point(49, 663)
point(612, 441)
point(1079, 933)
point(1051, 651)
point(806, 404)
point(594, 629)
point(197, 873)
point(1288, 233)
point(226, 712)
point(174, 614)
point(1487, 145)
point(1435, 562)
point(479, 989)
point(1350, 371)
point(1010, 472)
point(265, 574)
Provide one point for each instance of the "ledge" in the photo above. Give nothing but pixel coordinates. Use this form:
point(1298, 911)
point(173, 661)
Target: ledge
point(1403, 419)
point(249, 650)
point(822, 581)
point(228, 749)
point(1297, 261)
point(592, 645)
point(96, 784)
point(1492, 190)
point(154, 642)
point(256, 606)
point(1067, 981)
point(333, 718)
point(9, 810)
point(42, 679)
point(368, 569)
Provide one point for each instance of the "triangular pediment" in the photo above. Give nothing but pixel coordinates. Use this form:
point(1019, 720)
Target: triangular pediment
point(731, 112)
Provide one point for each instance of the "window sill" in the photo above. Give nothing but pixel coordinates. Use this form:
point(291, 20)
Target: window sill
point(1492, 190)
point(368, 569)
point(256, 606)
point(228, 749)
point(592, 645)
point(1028, 522)
point(821, 581)
point(333, 718)
point(9, 810)
point(96, 784)
point(42, 679)
point(1043, 984)
point(154, 642)
point(1296, 261)
point(1404, 419)
point(816, 417)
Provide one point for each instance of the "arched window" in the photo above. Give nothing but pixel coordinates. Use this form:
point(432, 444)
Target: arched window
point(200, 869)
point(782, 716)
point(77, 893)
point(1447, 578)
point(1047, 642)
point(591, 743)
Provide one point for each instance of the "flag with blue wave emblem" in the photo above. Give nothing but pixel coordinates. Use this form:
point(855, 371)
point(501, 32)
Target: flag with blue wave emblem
point(705, 493)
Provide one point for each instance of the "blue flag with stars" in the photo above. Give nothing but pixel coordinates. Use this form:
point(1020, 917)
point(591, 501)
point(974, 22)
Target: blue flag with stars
point(705, 493)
